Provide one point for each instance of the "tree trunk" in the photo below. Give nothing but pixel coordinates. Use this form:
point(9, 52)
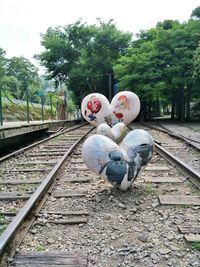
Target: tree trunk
point(145, 110)
point(149, 109)
point(183, 108)
point(188, 103)
point(159, 108)
point(173, 105)
point(181, 105)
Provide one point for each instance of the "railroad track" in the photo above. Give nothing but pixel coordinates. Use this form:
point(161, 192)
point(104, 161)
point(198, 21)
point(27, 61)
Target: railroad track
point(180, 145)
point(8, 155)
point(179, 132)
point(27, 175)
point(151, 224)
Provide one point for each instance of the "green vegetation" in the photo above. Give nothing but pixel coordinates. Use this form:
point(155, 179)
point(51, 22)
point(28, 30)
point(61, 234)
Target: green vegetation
point(196, 245)
point(185, 206)
point(2, 218)
point(161, 65)
point(2, 228)
point(40, 248)
point(149, 189)
point(19, 112)
point(13, 209)
point(2, 188)
point(3, 224)
point(82, 56)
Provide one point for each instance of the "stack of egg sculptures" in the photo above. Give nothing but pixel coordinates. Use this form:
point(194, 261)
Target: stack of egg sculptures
point(112, 153)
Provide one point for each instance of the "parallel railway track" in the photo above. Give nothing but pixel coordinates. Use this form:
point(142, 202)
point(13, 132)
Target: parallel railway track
point(151, 224)
point(35, 181)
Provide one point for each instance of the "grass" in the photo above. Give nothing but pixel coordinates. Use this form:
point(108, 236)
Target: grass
point(13, 209)
point(2, 228)
point(19, 112)
point(2, 187)
point(185, 206)
point(40, 248)
point(2, 218)
point(149, 189)
point(196, 245)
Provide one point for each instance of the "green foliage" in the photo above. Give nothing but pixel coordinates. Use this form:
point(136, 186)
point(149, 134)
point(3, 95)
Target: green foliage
point(40, 248)
point(196, 13)
point(159, 65)
point(82, 55)
point(16, 75)
point(196, 245)
point(197, 61)
point(70, 105)
point(25, 74)
point(2, 228)
point(19, 112)
point(149, 189)
point(13, 209)
point(3, 224)
point(2, 64)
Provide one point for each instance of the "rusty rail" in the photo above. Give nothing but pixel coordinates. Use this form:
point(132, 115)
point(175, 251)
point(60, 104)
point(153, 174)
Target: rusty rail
point(21, 150)
point(37, 195)
point(185, 169)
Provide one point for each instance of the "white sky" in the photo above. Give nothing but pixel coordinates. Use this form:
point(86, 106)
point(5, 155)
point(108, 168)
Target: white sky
point(22, 21)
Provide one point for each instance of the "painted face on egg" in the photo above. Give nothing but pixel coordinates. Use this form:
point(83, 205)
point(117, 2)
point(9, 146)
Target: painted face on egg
point(124, 107)
point(112, 162)
point(117, 164)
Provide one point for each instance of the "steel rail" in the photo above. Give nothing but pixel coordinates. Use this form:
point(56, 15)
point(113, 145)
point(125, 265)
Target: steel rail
point(195, 141)
point(180, 136)
point(188, 141)
point(184, 168)
point(37, 195)
point(21, 150)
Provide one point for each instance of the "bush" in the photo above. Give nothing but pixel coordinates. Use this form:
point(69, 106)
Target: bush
point(18, 112)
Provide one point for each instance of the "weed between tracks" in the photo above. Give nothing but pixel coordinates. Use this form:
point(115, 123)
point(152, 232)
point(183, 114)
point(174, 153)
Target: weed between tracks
point(149, 189)
point(196, 245)
point(40, 248)
point(3, 228)
point(3, 224)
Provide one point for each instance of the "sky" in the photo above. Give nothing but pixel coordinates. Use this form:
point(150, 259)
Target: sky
point(22, 21)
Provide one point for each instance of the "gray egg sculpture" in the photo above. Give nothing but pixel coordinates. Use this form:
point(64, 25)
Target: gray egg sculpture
point(118, 164)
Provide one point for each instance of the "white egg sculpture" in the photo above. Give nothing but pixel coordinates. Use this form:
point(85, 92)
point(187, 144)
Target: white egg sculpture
point(96, 109)
point(116, 133)
point(118, 164)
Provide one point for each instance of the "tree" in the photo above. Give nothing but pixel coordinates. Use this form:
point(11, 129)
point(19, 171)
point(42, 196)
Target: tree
point(2, 64)
point(142, 69)
point(25, 74)
point(7, 83)
point(83, 55)
point(197, 61)
point(196, 13)
point(160, 64)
